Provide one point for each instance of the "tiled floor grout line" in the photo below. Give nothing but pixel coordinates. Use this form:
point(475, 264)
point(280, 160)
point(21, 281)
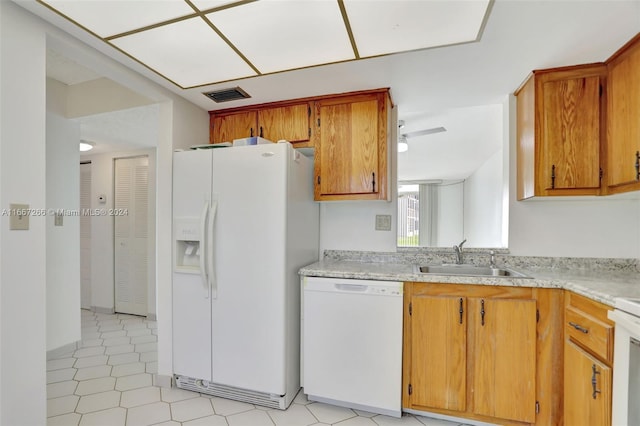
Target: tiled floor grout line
point(130, 399)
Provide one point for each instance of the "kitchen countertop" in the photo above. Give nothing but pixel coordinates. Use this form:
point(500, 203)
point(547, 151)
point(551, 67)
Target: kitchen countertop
point(602, 285)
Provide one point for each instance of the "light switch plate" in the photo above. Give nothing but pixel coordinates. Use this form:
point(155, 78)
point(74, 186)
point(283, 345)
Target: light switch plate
point(19, 217)
point(383, 222)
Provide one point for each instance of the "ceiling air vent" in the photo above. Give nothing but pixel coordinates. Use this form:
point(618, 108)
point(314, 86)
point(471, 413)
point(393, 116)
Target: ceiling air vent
point(226, 95)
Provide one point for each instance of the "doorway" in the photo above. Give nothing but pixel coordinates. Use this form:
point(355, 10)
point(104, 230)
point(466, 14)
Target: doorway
point(131, 225)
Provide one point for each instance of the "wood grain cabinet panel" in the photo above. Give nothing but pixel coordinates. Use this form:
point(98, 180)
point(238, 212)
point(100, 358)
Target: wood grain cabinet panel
point(439, 352)
point(472, 351)
point(291, 123)
point(351, 150)
point(227, 127)
point(560, 131)
point(504, 358)
point(623, 119)
point(588, 358)
point(587, 391)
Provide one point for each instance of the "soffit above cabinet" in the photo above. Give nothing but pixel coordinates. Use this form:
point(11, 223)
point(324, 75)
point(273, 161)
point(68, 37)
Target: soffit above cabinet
point(194, 43)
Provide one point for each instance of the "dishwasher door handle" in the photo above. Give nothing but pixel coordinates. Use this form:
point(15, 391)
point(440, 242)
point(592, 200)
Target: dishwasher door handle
point(352, 288)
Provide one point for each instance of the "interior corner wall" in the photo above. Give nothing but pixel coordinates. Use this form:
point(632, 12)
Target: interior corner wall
point(63, 242)
point(483, 204)
point(22, 253)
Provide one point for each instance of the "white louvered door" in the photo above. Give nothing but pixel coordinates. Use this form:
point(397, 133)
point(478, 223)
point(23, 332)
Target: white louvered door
point(85, 236)
point(131, 230)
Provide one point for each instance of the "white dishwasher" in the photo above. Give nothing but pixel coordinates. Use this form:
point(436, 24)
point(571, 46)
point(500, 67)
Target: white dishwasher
point(352, 343)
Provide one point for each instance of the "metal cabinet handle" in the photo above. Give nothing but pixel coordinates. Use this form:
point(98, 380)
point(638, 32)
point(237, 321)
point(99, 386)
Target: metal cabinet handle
point(553, 176)
point(461, 310)
point(482, 312)
point(594, 381)
point(637, 165)
point(579, 327)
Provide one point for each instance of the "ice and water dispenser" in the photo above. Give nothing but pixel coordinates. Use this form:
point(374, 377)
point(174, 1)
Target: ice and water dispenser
point(188, 245)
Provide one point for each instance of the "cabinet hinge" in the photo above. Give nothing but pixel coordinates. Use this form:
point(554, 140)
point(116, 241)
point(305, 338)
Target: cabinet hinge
point(537, 407)
point(410, 390)
point(537, 315)
point(601, 174)
point(410, 308)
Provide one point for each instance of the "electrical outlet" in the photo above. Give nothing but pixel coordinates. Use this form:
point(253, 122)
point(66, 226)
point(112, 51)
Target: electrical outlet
point(19, 217)
point(383, 222)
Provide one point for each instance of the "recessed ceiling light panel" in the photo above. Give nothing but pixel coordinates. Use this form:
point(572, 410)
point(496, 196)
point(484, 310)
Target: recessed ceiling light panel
point(107, 18)
point(281, 35)
point(384, 27)
point(187, 52)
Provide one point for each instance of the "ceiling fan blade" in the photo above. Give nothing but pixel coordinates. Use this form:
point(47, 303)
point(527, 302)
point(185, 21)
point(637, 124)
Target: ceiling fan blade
point(424, 132)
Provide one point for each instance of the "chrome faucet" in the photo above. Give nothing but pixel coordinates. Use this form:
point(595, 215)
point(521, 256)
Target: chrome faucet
point(492, 259)
point(458, 250)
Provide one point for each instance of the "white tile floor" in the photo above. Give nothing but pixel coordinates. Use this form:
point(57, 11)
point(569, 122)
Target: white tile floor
point(108, 382)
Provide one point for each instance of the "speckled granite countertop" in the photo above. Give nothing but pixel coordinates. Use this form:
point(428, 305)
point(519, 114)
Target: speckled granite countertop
point(599, 279)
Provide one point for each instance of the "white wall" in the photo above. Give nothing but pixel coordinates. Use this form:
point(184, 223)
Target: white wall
point(63, 249)
point(450, 214)
point(483, 204)
point(22, 253)
point(23, 42)
point(102, 228)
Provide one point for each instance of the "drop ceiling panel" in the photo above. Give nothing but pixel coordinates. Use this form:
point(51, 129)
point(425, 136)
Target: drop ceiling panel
point(280, 35)
point(108, 17)
point(384, 27)
point(204, 5)
point(187, 52)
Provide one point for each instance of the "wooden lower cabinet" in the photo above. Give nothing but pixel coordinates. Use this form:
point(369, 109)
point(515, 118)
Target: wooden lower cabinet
point(587, 388)
point(476, 352)
point(588, 361)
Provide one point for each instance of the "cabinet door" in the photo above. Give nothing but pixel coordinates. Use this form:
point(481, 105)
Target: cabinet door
point(571, 140)
point(623, 99)
point(503, 363)
point(438, 352)
point(287, 122)
point(351, 155)
point(583, 406)
point(227, 127)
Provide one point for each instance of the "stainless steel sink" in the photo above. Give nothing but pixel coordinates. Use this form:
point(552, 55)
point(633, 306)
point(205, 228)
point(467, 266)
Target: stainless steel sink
point(468, 270)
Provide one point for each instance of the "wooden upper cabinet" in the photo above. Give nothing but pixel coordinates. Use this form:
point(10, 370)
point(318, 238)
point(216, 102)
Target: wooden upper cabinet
point(227, 127)
point(560, 126)
point(351, 147)
point(623, 119)
point(290, 122)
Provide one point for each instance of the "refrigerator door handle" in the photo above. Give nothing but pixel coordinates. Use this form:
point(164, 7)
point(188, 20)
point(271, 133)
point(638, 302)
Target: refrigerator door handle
point(213, 286)
point(203, 248)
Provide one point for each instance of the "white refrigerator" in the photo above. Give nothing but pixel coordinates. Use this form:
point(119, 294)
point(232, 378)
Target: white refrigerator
point(244, 223)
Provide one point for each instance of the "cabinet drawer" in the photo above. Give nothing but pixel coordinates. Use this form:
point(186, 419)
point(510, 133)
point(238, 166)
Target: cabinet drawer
point(591, 333)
